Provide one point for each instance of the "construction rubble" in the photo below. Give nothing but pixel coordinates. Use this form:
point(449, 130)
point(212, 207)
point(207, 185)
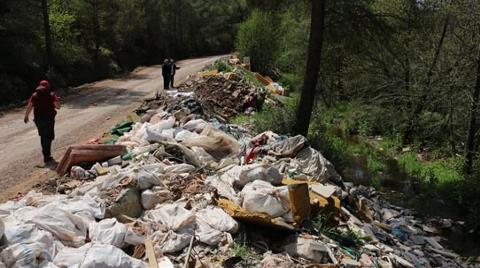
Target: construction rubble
point(192, 190)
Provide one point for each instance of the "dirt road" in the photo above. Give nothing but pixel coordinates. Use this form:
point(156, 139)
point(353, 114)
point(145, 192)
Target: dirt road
point(87, 113)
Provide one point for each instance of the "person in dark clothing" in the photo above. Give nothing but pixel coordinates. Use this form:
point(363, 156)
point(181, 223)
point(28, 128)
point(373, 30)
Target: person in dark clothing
point(166, 73)
point(44, 103)
point(174, 69)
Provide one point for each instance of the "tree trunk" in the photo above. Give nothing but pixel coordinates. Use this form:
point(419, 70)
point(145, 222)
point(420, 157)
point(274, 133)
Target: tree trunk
point(48, 37)
point(426, 88)
point(472, 123)
point(307, 98)
point(96, 37)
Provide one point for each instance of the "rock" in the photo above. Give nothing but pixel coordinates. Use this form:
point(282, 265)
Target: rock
point(127, 203)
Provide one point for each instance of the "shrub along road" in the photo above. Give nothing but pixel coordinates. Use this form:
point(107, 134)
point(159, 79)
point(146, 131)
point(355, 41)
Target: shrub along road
point(86, 113)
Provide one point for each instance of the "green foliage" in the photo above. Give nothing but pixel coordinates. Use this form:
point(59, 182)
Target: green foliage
point(258, 38)
point(240, 250)
point(96, 39)
point(222, 66)
point(278, 120)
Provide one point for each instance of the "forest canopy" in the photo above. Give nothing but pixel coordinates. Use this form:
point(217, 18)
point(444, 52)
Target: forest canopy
point(93, 39)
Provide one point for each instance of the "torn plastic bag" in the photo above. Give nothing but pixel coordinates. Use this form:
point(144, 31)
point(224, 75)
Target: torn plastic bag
point(312, 163)
point(71, 229)
point(174, 216)
point(185, 134)
point(170, 241)
point(179, 168)
point(159, 137)
point(239, 176)
point(146, 178)
point(288, 147)
point(93, 255)
point(162, 125)
point(188, 155)
point(204, 157)
point(84, 206)
point(33, 254)
point(217, 143)
point(213, 225)
point(156, 195)
point(260, 196)
point(223, 188)
point(197, 125)
point(180, 225)
point(108, 231)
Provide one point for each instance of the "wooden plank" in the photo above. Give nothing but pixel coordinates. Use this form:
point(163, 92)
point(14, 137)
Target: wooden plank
point(152, 259)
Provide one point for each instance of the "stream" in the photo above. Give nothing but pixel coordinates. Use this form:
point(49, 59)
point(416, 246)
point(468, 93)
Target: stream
point(401, 189)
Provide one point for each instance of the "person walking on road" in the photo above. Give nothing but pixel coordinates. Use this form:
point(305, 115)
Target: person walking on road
point(44, 103)
point(166, 73)
point(174, 69)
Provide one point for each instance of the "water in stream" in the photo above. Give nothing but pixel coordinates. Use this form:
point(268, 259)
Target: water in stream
point(403, 190)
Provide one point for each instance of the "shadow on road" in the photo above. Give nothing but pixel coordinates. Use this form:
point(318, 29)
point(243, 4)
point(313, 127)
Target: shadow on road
point(107, 97)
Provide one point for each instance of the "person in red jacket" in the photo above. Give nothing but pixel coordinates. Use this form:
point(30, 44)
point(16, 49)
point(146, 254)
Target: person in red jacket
point(44, 103)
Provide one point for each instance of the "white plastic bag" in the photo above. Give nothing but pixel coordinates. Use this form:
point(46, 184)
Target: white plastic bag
point(156, 195)
point(108, 231)
point(223, 188)
point(239, 176)
point(185, 134)
point(94, 255)
point(260, 196)
point(213, 225)
point(174, 216)
point(66, 226)
point(197, 125)
point(312, 163)
point(33, 254)
point(180, 225)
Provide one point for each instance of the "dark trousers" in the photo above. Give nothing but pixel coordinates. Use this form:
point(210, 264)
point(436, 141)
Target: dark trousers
point(166, 81)
point(46, 131)
point(172, 80)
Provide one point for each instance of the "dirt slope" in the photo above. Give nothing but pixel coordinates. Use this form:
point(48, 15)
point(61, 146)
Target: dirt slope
point(86, 114)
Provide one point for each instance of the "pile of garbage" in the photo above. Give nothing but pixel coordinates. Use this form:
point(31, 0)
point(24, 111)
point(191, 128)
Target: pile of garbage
point(228, 92)
point(192, 191)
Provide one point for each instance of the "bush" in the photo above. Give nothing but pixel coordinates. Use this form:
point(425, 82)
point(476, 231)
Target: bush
point(258, 38)
point(278, 120)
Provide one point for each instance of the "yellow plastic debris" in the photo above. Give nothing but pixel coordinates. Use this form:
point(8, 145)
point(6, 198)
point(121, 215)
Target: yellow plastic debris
point(208, 73)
